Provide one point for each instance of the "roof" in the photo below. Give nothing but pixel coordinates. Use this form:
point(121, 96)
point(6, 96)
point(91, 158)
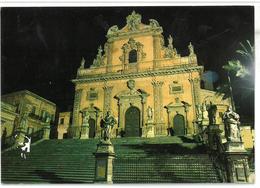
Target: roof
point(31, 94)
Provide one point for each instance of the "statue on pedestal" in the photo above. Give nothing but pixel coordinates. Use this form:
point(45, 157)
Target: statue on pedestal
point(107, 124)
point(231, 121)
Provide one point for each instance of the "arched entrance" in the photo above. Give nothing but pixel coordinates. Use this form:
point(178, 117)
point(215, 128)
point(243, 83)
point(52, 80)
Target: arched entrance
point(132, 122)
point(179, 125)
point(92, 128)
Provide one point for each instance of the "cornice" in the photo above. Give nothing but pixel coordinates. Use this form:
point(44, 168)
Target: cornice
point(119, 76)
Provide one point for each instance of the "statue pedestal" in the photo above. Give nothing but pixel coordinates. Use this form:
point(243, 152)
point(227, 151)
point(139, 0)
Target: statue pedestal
point(213, 132)
point(84, 134)
point(235, 146)
point(237, 167)
point(46, 132)
point(150, 129)
point(104, 162)
point(237, 162)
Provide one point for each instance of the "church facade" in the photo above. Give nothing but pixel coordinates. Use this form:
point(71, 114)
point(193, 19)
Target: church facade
point(150, 89)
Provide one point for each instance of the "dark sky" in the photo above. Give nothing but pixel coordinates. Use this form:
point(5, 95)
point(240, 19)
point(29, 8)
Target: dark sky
point(42, 47)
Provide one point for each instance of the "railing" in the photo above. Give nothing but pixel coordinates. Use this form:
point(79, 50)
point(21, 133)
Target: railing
point(10, 141)
point(218, 157)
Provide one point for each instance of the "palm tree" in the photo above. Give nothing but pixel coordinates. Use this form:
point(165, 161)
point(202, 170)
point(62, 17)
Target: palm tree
point(234, 67)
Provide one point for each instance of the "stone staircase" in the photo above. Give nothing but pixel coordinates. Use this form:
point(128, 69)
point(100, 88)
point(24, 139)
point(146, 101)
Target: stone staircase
point(138, 160)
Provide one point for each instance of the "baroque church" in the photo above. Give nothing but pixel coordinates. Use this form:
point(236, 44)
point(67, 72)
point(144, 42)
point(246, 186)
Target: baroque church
point(147, 85)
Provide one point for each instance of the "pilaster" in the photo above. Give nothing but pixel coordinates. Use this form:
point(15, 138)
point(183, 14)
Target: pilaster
point(158, 107)
point(107, 98)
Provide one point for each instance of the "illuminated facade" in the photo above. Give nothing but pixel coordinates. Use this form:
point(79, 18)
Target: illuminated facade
point(136, 72)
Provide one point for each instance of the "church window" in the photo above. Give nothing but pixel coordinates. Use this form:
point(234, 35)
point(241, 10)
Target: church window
point(133, 56)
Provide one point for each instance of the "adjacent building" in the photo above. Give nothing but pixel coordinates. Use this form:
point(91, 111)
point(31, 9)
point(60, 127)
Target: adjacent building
point(8, 117)
point(63, 124)
point(39, 109)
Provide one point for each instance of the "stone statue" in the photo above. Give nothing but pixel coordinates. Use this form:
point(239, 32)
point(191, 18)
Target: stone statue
point(191, 49)
point(82, 63)
point(107, 124)
point(154, 23)
point(231, 121)
point(198, 113)
point(99, 59)
point(133, 21)
point(112, 30)
point(170, 52)
point(85, 118)
point(212, 111)
point(170, 42)
point(150, 113)
point(205, 114)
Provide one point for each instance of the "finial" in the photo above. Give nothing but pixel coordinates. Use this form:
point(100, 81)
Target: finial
point(191, 49)
point(170, 42)
point(82, 63)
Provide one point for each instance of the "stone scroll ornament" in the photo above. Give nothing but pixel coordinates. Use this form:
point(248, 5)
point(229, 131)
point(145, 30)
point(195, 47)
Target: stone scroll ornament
point(107, 124)
point(231, 121)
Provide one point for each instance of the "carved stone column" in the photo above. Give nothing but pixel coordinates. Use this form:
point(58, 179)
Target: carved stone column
point(158, 107)
point(74, 131)
point(107, 99)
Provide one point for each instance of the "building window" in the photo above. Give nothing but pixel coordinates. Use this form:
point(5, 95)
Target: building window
point(61, 121)
point(133, 56)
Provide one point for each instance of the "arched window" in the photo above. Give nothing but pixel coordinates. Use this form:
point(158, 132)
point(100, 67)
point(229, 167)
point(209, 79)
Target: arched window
point(133, 56)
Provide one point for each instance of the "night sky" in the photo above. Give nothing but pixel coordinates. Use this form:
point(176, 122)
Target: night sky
point(42, 47)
